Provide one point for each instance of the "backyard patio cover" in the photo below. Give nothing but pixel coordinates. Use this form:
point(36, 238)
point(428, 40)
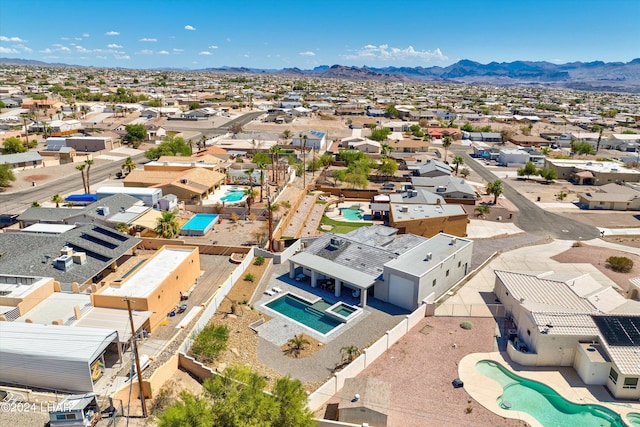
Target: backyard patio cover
point(329, 268)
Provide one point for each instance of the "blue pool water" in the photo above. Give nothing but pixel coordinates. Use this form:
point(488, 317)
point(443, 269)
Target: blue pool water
point(233, 196)
point(199, 225)
point(543, 403)
point(352, 214)
point(310, 315)
point(634, 418)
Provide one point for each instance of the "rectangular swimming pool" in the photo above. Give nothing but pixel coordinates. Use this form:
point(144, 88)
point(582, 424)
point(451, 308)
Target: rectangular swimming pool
point(199, 225)
point(320, 315)
point(302, 311)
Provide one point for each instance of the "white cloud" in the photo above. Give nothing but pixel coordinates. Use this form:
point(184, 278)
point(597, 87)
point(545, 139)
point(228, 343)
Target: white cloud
point(175, 50)
point(147, 39)
point(101, 57)
point(213, 46)
point(112, 33)
point(189, 27)
point(23, 48)
point(78, 38)
point(7, 50)
point(145, 52)
point(163, 52)
point(122, 56)
point(85, 35)
point(64, 38)
point(64, 49)
point(386, 53)
point(11, 39)
point(204, 52)
point(114, 46)
point(307, 53)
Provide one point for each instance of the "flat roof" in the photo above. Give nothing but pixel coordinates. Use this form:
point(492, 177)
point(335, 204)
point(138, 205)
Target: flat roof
point(57, 306)
point(128, 190)
point(441, 246)
point(42, 227)
point(151, 274)
point(421, 211)
point(20, 286)
point(113, 318)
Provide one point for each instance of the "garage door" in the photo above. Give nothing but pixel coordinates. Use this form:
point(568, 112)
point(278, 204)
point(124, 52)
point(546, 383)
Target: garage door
point(401, 292)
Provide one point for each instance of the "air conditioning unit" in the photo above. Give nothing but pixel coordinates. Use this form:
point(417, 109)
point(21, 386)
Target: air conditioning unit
point(66, 250)
point(103, 210)
point(404, 208)
point(429, 256)
point(63, 262)
point(184, 181)
point(79, 258)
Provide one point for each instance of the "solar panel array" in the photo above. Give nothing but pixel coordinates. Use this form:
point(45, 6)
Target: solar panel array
point(621, 331)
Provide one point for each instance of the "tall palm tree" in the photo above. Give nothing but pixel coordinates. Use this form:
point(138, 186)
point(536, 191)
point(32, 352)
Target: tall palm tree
point(249, 173)
point(88, 163)
point(57, 199)
point(297, 344)
point(81, 168)
point(458, 160)
point(251, 194)
point(304, 160)
point(168, 226)
point(446, 143)
point(496, 188)
point(129, 164)
point(261, 166)
point(274, 152)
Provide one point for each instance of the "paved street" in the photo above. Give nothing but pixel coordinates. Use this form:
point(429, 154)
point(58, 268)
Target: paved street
point(531, 218)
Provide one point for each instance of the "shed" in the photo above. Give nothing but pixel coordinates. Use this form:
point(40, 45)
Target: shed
point(51, 356)
point(365, 400)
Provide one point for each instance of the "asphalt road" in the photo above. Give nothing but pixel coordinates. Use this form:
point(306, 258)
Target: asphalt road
point(17, 202)
point(531, 218)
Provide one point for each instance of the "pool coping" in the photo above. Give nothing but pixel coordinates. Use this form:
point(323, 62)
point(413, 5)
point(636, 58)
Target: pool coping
point(486, 391)
point(313, 333)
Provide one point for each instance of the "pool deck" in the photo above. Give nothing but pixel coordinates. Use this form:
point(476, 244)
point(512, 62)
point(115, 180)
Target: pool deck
point(364, 206)
point(216, 197)
point(564, 380)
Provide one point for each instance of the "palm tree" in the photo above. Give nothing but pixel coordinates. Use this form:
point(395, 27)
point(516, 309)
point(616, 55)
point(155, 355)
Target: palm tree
point(261, 166)
point(286, 133)
point(274, 151)
point(386, 148)
point(168, 226)
point(129, 164)
point(249, 173)
point(57, 199)
point(88, 163)
point(297, 344)
point(458, 160)
point(84, 181)
point(446, 143)
point(349, 353)
point(482, 210)
point(496, 188)
point(304, 160)
point(35, 204)
point(251, 194)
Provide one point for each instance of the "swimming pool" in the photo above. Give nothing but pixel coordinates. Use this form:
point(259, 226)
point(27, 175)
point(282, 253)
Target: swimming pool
point(634, 419)
point(199, 225)
point(352, 214)
point(311, 315)
point(543, 403)
point(233, 196)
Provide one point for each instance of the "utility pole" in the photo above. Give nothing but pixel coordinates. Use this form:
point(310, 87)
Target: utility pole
point(134, 348)
point(269, 207)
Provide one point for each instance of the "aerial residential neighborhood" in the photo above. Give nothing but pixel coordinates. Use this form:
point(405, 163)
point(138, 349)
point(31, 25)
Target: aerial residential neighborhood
point(332, 246)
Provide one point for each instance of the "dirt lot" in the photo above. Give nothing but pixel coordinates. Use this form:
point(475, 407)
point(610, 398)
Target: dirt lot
point(420, 368)
point(597, 256)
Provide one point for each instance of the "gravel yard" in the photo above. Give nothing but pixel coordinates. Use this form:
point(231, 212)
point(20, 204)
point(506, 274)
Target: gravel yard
point(420, 368)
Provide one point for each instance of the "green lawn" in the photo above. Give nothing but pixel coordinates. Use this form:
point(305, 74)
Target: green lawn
point(342, 227)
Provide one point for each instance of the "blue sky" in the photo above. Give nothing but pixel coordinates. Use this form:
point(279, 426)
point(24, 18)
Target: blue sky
point(307, 33)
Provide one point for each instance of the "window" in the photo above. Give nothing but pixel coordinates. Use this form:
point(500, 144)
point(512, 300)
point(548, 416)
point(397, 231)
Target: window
point(434, 282)
point(630, 383)
point(613, 376)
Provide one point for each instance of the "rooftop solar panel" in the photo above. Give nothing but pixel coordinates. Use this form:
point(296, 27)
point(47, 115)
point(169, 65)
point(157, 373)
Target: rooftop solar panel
point(621, 331)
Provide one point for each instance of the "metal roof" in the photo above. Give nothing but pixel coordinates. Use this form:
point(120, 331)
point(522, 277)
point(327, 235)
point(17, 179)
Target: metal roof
point(53, 341)
point(112, 318)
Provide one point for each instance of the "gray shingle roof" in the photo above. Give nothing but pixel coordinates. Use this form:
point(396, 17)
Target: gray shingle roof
point(34, 254)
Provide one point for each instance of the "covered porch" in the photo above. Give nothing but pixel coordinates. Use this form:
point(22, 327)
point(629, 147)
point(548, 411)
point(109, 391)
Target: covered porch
point(327, 274)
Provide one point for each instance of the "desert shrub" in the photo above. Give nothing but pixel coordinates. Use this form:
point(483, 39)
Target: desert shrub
point(577, 245)
point(210, 342)
point(466, 325)
point(259, 260)
point(620, 264)
point(249, 277)
point(234, 217)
